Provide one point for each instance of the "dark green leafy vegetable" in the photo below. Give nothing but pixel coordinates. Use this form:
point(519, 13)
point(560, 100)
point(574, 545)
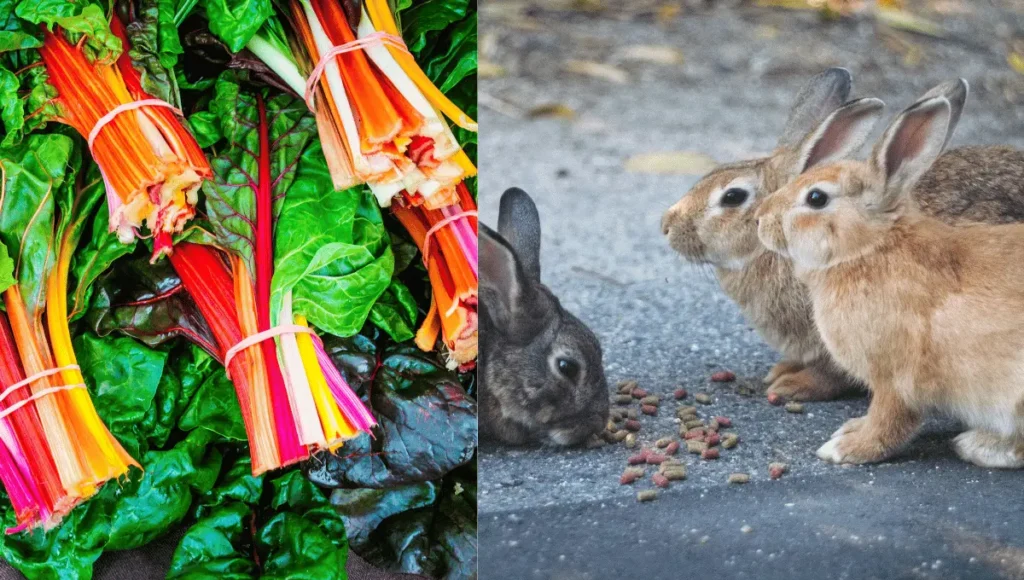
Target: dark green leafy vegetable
point(427, 424)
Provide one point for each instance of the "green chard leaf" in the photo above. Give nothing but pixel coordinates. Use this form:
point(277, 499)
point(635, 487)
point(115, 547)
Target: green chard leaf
point(430, 16)
point(34, 174)
point(76, 18)
point(155, 48)
point(236, 21)
point(6, 269)
point(332, 251)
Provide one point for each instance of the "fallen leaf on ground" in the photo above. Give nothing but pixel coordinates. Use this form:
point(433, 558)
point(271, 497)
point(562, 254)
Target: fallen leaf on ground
point(651, 53)
point(489, 70)
point(557, 110)
point(903, 20)
point(671, 163)
point(597, 70)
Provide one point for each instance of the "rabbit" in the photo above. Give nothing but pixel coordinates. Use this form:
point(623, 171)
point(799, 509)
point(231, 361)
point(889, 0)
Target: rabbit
point(541, 372)
point(929, 315)
point(714, 224)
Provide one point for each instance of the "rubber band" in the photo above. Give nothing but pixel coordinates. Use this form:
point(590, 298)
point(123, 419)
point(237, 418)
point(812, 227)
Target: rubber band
point(260, 337)
point(434, 229)
point(39, 395)
point(370, 40)
point(124, 107)
point(40, 375)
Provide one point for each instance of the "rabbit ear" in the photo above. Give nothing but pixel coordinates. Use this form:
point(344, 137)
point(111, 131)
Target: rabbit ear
point(501, 277)
point(519, 224)
point(824, 93)
point(841, 134)
point(910, 145)
point(956, 93)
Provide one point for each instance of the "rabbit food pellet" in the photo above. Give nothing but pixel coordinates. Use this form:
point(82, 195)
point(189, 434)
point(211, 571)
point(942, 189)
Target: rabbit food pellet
point(702, 398)
point(637, 459)
point(647, 495)
point(694, 424)
point(659, 480)
point(672, 448)
point(712, 439)
point(651, 400)
point(723, 421)
point(710, 453)
point(632, 414)
point(633, 425)
point(630, 440)
point(627, 386)
point(623, 399)
point(639, 393)
point(695, 433)
point(677, 474)
point(776, 470)
point(695, 446)
point(655, 458)
point(663, 442)
point(679, 394)
point(686, 410)
point(794, 407)
point(730, 440)
point(739, 478)
point(723, 377)
point(620, 435)
point(630, 475)
point(649, 410)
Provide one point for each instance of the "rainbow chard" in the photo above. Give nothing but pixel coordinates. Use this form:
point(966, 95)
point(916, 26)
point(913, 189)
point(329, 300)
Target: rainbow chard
point(384, 123)
point(41, 218)
point(289, 254)
point(77, 67)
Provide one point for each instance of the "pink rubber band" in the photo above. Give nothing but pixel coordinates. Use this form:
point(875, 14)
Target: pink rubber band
point(433, 230)
point(40, 375)
point(370, 40)
point(39, 395)
point(260, 337)
point(105, 119)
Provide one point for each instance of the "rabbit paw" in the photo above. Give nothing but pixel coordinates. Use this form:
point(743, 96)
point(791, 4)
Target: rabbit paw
point(781, 368)
point(989, 450)
point(806, 385)
point(854, 443)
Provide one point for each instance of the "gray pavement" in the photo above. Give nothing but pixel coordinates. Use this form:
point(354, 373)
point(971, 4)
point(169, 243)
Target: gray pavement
point(548, 513)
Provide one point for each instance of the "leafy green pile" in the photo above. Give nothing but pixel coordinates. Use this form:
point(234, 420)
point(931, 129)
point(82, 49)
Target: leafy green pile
point(405, 499)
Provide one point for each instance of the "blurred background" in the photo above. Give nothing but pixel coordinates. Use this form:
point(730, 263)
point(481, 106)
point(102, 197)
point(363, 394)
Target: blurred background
point(607, 113)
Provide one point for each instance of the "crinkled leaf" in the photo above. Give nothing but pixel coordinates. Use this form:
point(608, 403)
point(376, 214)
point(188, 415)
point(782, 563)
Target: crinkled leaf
point(33, 174)
point(186, 368)
point(206, 128)
point(212, 548)
point(215, 408)
point(364, 509)
point(331, 250)
point(147, 302)
point(236, 21)
point(150, 503)
point(237, 483)
point(76, 544)
point(303, 547)
point(123, 376)
point(439, 540)
point(231, 195)
point(430, 16)
point(75, 18)
point(94, 258)
point(395, 312)
point(155, 48)
point(426, 424)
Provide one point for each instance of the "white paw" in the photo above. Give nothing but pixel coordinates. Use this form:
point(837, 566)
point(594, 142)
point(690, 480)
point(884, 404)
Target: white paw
point(830, 450)
point(988, 450)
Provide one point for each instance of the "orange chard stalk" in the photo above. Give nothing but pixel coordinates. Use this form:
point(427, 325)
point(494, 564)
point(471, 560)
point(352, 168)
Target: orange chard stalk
point(453, 282)
point(152, 167)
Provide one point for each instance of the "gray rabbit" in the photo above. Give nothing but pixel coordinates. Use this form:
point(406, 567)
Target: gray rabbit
point(541, 376)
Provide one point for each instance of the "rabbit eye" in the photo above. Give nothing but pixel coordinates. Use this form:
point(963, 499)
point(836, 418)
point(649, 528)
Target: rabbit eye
point(570, 369)
point(817, 198)
point(734, 197)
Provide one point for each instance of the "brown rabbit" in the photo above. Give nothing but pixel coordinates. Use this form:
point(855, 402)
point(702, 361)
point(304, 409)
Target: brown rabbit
point(930, 316)
point(714, 223)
